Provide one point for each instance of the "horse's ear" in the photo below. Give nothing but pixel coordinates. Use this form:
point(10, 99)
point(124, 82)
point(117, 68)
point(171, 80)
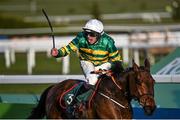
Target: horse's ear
point(147, 64)
point(135, 66)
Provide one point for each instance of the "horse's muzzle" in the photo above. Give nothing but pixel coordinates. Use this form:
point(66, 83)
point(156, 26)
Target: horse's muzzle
point(148, 104)
point(149, 110)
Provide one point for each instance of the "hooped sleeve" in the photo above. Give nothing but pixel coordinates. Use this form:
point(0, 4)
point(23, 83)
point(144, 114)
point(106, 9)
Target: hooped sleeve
point(71, 47)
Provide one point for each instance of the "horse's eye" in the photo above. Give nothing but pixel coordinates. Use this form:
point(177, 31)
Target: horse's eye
point(138, 82)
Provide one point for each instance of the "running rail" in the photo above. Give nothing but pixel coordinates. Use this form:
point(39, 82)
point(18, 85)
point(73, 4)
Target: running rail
point(43, 79)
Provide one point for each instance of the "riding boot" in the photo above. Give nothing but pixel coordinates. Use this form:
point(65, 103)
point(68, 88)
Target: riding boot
point(84, 97)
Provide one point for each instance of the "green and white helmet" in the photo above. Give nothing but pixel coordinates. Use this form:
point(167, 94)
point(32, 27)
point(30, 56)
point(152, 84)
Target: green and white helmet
point(94, 25)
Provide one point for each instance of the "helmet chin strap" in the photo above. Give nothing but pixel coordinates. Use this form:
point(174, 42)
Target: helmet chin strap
point(102, 33)
point(99, 36)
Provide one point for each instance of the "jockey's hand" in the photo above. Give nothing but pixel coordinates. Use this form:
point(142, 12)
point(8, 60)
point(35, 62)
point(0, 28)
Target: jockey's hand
point(105, 66)
point(54, 52)
point(101, 72)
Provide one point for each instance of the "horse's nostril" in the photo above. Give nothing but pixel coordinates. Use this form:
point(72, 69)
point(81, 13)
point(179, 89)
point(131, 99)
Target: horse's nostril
point(149, 110)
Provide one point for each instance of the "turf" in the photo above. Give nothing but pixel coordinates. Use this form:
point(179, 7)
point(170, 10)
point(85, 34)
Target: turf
point(65, 7)
point(17, 10)
point(15, 111)
point(23, 88)
point(44, 65)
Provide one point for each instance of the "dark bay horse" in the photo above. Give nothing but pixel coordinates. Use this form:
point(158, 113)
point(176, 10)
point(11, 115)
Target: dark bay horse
point(111, 98)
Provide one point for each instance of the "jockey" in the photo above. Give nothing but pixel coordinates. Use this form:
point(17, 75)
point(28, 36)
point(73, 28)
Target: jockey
point(96, 51)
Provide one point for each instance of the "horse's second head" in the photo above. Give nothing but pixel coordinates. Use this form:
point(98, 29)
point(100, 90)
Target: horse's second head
point(145, 87)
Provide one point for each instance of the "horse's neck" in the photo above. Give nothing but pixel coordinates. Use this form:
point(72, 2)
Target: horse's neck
point(124, 79)
point(113, 89)
point(129, 77)
point(106, 84)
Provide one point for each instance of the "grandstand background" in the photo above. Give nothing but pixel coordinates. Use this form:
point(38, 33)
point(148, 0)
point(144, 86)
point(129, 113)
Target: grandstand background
point(140, 28)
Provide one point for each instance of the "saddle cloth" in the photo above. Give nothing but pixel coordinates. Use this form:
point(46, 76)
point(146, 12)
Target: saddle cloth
point(69, 95)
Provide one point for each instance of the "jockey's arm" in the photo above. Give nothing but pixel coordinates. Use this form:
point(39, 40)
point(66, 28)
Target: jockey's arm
point(66, 50)
point(63, 51)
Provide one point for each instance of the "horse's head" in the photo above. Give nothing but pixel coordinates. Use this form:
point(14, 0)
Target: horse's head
point(144, 85)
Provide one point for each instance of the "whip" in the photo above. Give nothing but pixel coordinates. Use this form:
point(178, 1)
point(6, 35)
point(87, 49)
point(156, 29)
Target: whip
point(52, 32)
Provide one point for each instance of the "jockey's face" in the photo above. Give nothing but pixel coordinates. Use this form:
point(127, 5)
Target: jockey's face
point(91, 37)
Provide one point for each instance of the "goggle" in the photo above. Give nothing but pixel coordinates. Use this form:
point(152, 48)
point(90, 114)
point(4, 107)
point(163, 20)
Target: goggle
point(91, 33)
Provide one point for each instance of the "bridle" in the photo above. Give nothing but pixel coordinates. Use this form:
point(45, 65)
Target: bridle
point(144, 95)
point(139, 97)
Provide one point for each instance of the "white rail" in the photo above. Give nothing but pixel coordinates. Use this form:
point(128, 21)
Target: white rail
point(37, 79)
point(40, 79)
point(136, 41)
point(148, 16)
point(73, 29)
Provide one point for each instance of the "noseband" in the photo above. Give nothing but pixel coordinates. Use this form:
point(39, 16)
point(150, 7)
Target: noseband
point(141, 96)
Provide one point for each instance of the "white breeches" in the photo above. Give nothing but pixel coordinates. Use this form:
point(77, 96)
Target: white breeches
point(88, 67)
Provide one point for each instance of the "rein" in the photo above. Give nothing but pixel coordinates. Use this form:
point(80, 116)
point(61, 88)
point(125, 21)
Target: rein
point(112, 100)
point(109, 73)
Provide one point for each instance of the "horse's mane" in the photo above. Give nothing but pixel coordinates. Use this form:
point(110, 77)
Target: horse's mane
point(119, 70)
point(117, 67)
point(131, 68)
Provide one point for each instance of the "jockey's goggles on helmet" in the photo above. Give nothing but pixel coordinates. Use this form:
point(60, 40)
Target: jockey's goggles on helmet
point(91, 33)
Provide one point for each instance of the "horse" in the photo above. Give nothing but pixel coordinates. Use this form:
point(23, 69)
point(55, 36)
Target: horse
point(111, 98)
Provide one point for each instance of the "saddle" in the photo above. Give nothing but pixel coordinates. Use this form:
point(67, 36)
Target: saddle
point(70, 102)
point(68, 96)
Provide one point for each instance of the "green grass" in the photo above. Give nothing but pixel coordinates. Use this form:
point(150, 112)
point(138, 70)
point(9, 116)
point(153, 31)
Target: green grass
point(20, 65)
point(23, 88)
point(18, 9)
point(64, 7)
point(44, 65)
point(15, 111)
